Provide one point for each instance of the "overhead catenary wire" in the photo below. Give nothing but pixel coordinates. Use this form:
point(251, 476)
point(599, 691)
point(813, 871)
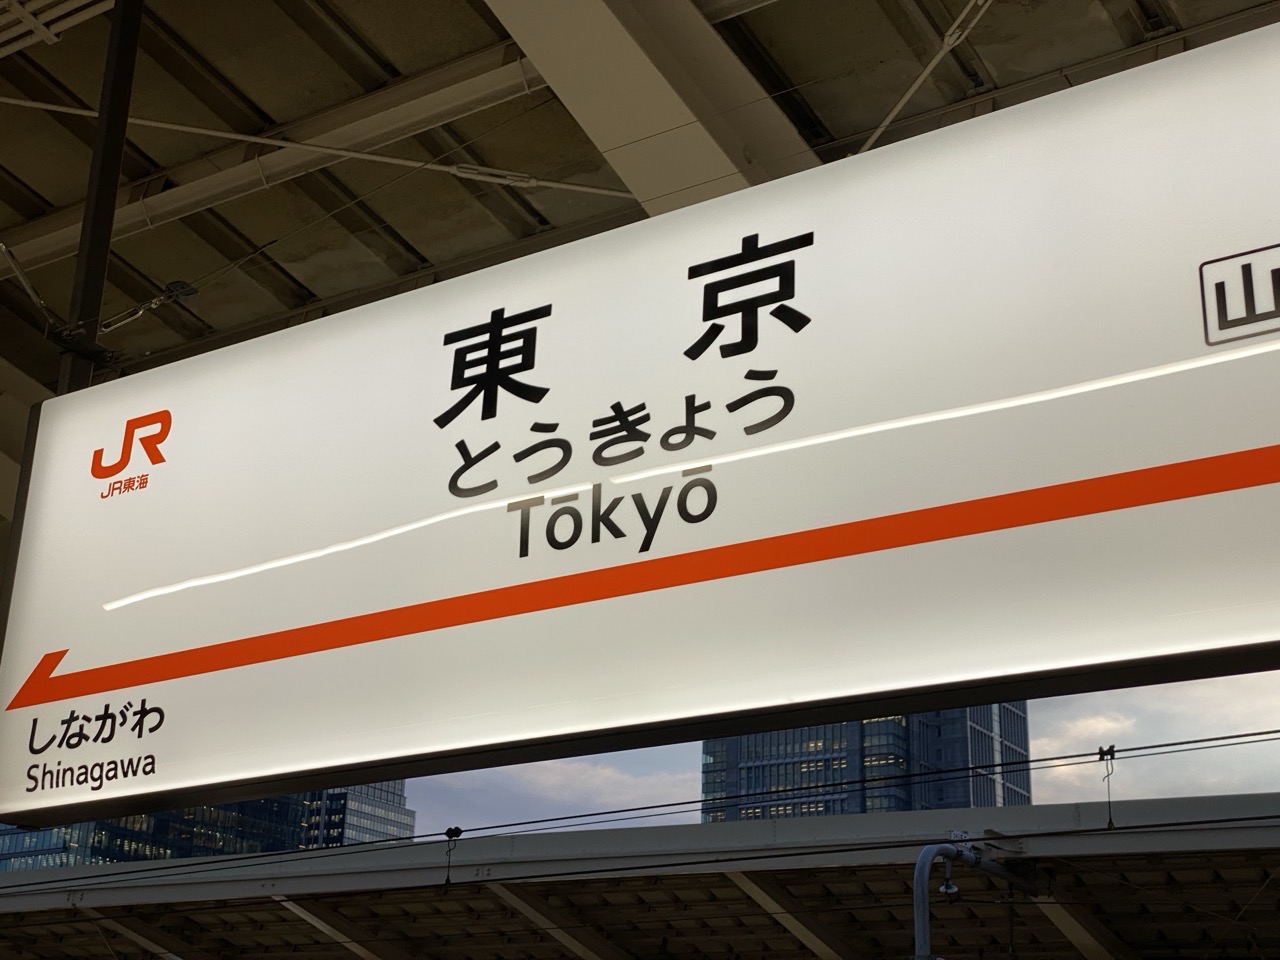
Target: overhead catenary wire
point(947, 775)
point(1170, 751)
point(468, 171)
point(413, 166)
point(213, 275)
point(860, 137)
point(964, 23)
point(463, 171)
point(876, 902)
point(719, 862)
point(235, 861)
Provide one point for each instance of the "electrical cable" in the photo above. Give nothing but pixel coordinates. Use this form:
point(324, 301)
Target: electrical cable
point(720, 861)
point(680, 806)
point(235, 861)
point(463, 171)
point(430, 164)
point(1131, 752)
point(797, 87)
point(931, 776)
point(214, 275)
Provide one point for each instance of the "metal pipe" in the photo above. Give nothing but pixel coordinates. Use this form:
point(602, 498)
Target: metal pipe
point(920, 887)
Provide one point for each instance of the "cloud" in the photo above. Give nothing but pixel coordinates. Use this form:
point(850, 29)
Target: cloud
point(562, 788)
point(1134, 718)
point(1150, 716)
point(606, 785)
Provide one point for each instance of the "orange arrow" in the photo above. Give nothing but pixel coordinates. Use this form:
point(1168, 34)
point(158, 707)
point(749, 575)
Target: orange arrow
point(1077, 498)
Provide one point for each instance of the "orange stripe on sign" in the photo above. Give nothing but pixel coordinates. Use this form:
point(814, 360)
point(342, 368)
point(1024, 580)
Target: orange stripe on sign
point(1078, 498)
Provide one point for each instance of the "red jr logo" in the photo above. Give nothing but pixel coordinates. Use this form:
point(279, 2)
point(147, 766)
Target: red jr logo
point(150, 443)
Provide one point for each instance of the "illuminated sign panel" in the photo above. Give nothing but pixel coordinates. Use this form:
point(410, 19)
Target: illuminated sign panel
point(960, 410)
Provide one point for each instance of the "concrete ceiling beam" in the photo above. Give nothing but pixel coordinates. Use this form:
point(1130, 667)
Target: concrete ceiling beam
point(565, 929)
point(140, 288)
point(162, 44)
point(325, 306)
point(1091, 938)
point(342, 931)
point(161, 945)
point(774, 899)
point(679, 117)
point(718, 10)
point(400, 110)
point(37, 83)
point(19, 196)
point(364, 64)
point(240, 113)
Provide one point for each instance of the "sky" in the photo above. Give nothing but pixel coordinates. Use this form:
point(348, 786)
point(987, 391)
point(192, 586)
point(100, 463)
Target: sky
point(1062, 725)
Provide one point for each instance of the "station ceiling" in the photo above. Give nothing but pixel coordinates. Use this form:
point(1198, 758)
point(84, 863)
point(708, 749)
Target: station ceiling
point(484, 131)
point(1184, 879)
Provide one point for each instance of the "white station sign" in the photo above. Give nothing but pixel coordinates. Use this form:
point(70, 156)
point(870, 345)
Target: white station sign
point(991, 402)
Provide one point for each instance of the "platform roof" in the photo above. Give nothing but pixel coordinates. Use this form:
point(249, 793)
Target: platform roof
point(594, 113)
point(1159, 879)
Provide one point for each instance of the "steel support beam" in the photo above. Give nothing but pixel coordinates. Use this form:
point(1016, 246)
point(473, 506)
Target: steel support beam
point(162, 945)
point(719, 10)
point(14, 299)
point(1253, 18)
point(140, 288)
point(780, 87)
point(165, 47)
point(677, 115)
point(337, 200)
point(237, 111)
point(36, 83)
point(19, 197)
point(419, 278)
point(369, 68)
point(342, 931)
point(505, 204)
point(1140, 20)
point(104, 177)
point(566, 930)
point(399, 110)
point(922, 26)
point(1091, 938)
point(823, 942)
point(199, 77)
point(219, 233)
point(332, 34)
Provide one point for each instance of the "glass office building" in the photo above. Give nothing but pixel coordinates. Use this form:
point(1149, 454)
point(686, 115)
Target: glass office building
point(44, 849)
point(363, 814)
point(348, 815)
point(970, 757)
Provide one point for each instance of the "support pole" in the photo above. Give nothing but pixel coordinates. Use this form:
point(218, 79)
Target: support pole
point(100, 201)
point(920, 886)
